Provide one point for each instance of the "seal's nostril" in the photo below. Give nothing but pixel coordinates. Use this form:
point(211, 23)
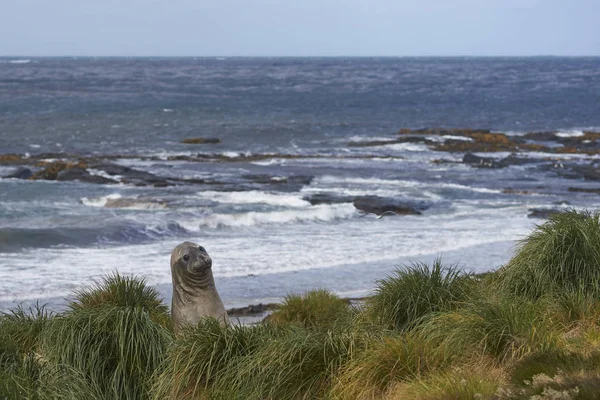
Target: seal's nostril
point(202, 249)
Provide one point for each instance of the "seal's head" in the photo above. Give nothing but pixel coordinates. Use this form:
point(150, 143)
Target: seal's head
point(190, 259)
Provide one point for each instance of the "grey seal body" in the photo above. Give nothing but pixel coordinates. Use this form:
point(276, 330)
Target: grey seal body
point(194, 293)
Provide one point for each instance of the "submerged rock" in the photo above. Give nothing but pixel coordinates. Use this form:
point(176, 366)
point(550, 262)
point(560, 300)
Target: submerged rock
point(379, 205)
point(82, 175)
point(584, 190)
point(200, 140)
point(328, 198)
point(20, 173)
point(133, 176)
point(481, 162)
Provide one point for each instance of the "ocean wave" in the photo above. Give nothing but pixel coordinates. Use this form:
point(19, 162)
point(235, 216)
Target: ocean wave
point(16, 239)
point(377, 182)
point(469, 188)
point(320, 213)
point(99, 201)
point(412, 147)
point(115, 200)
point(254, 197)
point(365, 181)
point(569, 133)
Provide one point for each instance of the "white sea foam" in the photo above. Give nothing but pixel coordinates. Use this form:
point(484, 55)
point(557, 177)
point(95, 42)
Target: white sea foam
point(327, 179)
point(469, 188)
point(99, 201)
point(320, 213)
point(20, 61)
point(281, 248)
point(454, 137)
point(272, 161)
point(569, 133)
point(254, 197)
point(103, 174)
point(412, 147)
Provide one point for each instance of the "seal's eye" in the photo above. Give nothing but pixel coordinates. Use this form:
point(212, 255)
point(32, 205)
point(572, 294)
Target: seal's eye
point(186, 258)
point(202, 249)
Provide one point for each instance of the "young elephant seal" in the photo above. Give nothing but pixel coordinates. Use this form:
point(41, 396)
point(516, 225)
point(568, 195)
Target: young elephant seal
point(194, 293)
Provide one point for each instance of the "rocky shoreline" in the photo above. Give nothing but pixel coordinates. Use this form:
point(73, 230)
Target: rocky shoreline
point(557, 155)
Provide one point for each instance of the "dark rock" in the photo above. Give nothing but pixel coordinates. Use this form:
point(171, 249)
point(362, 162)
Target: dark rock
point(133, 176)
point(543, 213)
point(20, 173)
point(481, 162)
point(584, 190)
point(548, 136)
point(52, 169)
point(201, 141)
point(514, 160)
point(379, 205)
point(589, 172)
point(404, 139)
point(327, 198)
point(82, 175)
point(266, 179)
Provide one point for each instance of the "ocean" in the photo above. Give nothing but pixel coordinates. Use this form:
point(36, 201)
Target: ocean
point(274, 202)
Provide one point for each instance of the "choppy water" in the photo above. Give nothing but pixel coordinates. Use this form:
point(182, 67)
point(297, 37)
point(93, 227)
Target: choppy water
point(265, 238)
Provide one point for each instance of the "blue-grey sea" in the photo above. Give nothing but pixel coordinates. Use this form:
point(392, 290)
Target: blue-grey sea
point(298, 115)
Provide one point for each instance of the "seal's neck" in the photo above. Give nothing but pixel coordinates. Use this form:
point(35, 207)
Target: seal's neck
point(187, 287)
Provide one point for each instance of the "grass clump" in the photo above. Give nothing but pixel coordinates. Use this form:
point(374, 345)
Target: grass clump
point(561, 254)
point(316, 308)
point(21, 329)
point(200, 355)
point(24, 373)
point(122, 292)
point(402, 299)
point(114, 334)
point(502, 328)
point(386, 361)
point(476, 380)
point(298, 364)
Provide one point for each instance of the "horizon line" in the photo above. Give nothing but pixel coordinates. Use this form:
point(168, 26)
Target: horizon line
point(305, 56)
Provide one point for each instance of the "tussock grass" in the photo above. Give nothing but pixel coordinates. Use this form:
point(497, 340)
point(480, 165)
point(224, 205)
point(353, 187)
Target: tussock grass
point(387, 361)
point(296, 365)
point(412, 292)
point(122, 291)
point(24, 373)
point(503, 328)
point(561, 254)
point(115, 334)
point(315, 309)
point(32, 379)
point(117, 349)
point(476, 380)
point(21, 329)
point(200, 355)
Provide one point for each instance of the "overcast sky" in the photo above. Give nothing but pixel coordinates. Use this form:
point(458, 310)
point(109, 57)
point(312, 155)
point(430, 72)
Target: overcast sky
point(299, 27)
